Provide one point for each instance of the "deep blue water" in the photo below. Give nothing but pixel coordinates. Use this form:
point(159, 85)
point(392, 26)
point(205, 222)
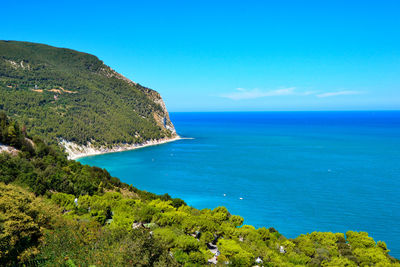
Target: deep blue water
point(296, 171)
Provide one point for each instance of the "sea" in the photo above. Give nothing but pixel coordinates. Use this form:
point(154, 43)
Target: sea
point(298, 172)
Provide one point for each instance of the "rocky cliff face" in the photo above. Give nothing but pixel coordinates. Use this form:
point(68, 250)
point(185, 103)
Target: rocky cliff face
point(162, 118)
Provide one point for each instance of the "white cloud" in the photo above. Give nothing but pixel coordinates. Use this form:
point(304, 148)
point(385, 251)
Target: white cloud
point(242, 93)
point(329, 94)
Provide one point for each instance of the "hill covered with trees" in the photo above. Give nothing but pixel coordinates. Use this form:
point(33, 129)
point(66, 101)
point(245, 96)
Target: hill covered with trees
point(58, 93)
point(58, 212)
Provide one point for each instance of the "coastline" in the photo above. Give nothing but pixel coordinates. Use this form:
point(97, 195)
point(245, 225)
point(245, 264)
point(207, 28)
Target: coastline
point(76, 151)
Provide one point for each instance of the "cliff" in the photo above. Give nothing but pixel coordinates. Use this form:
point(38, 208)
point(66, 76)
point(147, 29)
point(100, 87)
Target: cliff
point(69, 96)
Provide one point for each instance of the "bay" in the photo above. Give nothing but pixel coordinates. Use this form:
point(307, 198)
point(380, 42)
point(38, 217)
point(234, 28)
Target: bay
point(295, 171)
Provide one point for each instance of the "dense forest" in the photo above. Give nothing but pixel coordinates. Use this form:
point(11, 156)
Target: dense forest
point(55, 211)
point(60, 93)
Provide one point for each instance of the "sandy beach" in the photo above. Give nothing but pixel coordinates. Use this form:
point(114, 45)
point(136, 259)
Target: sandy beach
point(76, 151)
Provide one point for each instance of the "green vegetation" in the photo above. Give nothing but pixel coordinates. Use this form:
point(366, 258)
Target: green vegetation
point(21, 220)
point(59, 93)
point(45, 168)
point(33, 232)
point(80, 216)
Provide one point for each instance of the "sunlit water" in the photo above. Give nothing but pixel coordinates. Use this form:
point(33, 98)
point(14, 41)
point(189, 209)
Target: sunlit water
point(296, 171)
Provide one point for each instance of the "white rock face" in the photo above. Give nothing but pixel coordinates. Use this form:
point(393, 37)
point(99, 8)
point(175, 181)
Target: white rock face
point(75, 151)
point(162, 119)
point(8, 149)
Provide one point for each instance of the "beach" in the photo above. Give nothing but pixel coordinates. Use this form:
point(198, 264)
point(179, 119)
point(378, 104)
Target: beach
point(76, 151)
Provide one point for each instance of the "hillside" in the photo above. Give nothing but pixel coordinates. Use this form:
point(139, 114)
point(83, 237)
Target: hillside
point(57, 212)
point(61, 94)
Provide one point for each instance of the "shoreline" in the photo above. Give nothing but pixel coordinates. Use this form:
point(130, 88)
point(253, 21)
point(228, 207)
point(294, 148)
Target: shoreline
point(76, 151)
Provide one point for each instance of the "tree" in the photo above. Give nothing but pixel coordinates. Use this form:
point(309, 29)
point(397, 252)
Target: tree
point(235, 253)
point(206, 237)
point(338, 262)
point(236, 220)
point(21, 222)
point(187, 243)
point(359, 240)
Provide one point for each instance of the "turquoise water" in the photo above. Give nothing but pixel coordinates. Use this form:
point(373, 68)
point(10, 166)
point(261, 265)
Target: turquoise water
point(296, 171)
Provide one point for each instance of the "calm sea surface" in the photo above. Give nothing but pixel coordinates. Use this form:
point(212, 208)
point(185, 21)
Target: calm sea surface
point(296, 171)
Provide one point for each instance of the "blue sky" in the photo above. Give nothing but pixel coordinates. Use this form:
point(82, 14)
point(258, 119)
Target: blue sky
point(232, 55)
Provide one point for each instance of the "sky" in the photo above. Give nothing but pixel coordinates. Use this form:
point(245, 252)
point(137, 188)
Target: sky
point(232, 55)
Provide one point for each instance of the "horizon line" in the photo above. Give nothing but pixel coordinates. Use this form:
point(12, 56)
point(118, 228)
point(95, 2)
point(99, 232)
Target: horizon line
point(334, 110)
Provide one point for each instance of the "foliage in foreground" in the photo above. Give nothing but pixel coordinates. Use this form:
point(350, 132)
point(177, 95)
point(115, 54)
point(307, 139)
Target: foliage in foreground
point(98, 231)
point(79, 216)
point(33, 232)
